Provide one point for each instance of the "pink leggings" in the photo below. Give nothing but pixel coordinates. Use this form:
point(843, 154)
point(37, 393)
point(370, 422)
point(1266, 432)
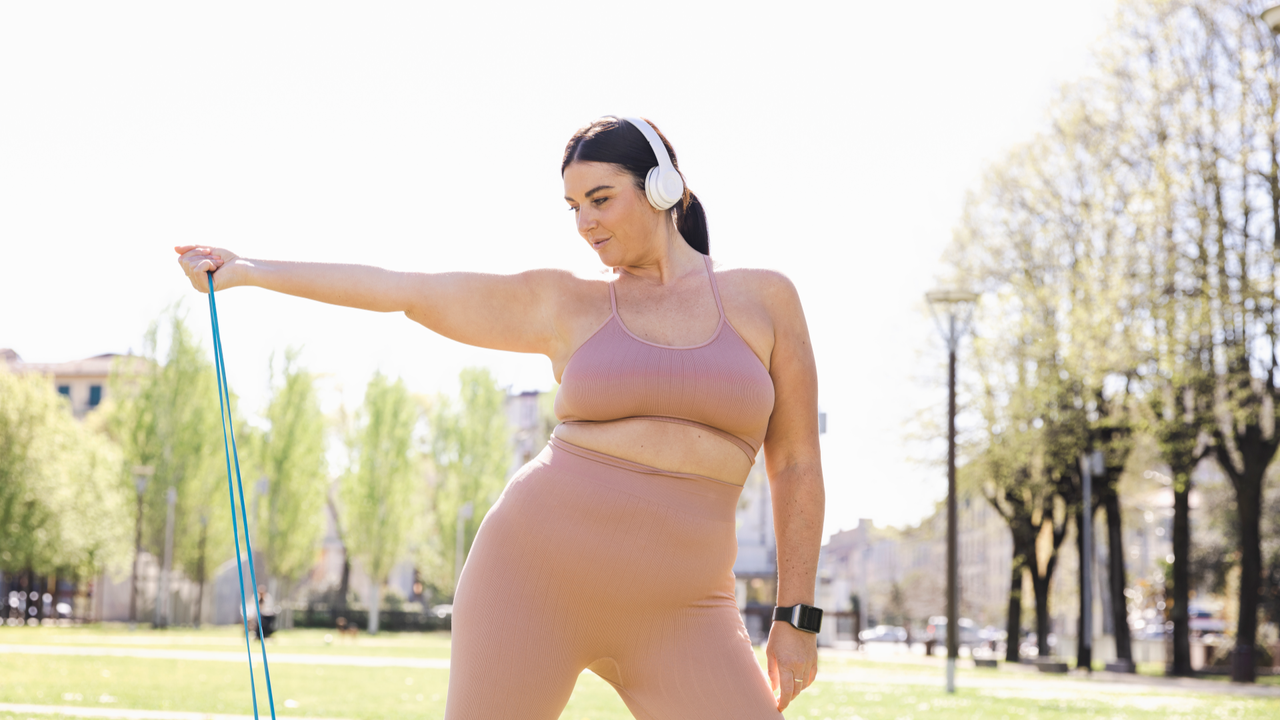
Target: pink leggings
point(591, 561)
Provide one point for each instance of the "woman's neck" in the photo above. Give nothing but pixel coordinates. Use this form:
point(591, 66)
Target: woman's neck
point(671, 259)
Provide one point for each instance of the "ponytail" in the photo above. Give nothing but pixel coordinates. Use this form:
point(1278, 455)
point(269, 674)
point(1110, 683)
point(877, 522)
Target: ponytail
point(691, 221)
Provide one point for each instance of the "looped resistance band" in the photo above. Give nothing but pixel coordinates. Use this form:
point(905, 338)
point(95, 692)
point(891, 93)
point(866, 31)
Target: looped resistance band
point(229, 447)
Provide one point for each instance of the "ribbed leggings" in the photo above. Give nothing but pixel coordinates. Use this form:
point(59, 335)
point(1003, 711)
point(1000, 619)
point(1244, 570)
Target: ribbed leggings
point(591, 561)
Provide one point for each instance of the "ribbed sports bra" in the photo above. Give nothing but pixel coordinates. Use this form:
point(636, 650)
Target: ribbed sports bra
point(719, 385)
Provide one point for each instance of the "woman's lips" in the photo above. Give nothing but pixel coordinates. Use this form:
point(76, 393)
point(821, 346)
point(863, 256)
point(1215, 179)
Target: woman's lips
point(597, 244)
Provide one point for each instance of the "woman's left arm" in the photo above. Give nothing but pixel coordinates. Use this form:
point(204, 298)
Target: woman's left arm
point(794, 464)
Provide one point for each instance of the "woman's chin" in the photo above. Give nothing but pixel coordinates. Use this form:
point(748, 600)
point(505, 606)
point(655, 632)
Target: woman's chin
point(607, 258)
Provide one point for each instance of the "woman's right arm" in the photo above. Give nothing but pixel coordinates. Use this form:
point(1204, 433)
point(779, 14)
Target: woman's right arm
point(502, 312)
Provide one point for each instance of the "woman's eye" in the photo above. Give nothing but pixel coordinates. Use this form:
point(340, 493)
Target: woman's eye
point(573, 208)
point(599, 201)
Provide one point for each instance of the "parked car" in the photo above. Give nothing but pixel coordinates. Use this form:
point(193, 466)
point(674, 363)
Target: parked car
point(936, 631)
point(1153, 630)
point(884, 633)
point(1201, 620)
point(1029, 646)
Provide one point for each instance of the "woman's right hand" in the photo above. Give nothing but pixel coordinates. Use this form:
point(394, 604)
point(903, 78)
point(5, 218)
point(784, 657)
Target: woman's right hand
point(197, 260)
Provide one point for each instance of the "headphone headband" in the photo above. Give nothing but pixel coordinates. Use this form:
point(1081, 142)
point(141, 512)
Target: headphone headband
point(664, 186)
point(655, 142)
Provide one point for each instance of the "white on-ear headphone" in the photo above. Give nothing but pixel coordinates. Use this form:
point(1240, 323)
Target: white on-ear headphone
point(663, 185)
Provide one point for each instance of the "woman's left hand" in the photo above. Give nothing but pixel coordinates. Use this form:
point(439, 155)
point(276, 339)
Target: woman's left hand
point(793, 661)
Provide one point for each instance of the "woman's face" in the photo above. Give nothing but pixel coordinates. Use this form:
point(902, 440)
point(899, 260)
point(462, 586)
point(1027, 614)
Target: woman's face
point(613, 216)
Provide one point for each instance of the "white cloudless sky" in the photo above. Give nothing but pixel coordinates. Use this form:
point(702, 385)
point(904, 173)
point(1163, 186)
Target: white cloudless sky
point(831, 141)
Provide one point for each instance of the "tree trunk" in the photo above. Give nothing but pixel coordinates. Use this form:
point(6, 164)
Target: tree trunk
point(1013, 622)
point(1248, 508)
point(375, 600)
point(345, 586)
point(1116, 577)
point(1256, 453)
point(1181, 574)
point(1084, 652)
point(204, 536)
point(1041, 587)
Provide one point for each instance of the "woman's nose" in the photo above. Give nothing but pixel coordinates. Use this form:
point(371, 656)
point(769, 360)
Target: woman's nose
point(585, 222)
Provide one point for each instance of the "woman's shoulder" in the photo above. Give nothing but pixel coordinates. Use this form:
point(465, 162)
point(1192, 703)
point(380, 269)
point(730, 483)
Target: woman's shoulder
point(569, 290)
point(567, 280)
point(764, 284)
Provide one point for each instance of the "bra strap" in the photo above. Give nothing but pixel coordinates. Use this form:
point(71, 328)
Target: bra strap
point(715, 289)
point(613, 299)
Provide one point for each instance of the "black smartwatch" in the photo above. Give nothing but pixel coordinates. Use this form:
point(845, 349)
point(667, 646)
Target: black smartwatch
point(802, 617)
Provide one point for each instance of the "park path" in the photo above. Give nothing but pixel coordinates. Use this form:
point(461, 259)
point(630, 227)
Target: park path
point(125, 714)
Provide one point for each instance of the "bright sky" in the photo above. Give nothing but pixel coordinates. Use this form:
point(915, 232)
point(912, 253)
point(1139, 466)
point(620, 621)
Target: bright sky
point(833, 142)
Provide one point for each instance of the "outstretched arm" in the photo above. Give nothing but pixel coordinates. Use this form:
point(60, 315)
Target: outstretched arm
point(502, 312)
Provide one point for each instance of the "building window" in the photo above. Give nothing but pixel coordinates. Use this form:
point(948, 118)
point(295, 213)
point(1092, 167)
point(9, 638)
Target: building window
point(64, 390)
point(95, 395)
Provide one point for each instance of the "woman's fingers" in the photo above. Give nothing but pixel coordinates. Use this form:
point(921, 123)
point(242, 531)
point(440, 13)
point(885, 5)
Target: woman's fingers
point(197, 261)
point(793, 682)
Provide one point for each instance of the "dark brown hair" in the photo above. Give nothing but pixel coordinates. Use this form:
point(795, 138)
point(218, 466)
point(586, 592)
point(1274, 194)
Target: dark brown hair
point(616, 141)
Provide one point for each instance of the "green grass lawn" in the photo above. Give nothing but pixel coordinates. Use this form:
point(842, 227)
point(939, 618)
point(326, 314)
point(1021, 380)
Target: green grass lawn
point(358, 693)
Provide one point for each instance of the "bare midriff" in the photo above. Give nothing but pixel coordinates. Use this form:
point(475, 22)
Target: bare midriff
point(667, 446)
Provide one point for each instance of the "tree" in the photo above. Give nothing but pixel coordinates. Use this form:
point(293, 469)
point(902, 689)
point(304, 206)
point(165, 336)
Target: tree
point(1203, 89)
point(471, 453)
point(291, 453)
point(380, 491)
point(63, 508)
point(166, 416)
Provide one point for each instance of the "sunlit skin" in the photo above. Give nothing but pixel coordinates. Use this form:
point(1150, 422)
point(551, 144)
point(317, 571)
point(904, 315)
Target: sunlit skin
point(664, 297)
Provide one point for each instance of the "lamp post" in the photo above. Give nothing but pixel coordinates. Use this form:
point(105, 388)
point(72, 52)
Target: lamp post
point(140, 475)
point(952, 310)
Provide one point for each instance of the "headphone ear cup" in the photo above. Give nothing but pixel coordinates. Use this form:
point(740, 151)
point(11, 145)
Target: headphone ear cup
point(664, 189)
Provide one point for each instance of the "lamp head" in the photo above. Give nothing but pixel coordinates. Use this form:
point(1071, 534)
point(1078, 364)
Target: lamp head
point(949, 297)
point(956, 306)
point(1271, 16)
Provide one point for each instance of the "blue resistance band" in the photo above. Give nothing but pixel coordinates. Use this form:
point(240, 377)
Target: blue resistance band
point(224, 403)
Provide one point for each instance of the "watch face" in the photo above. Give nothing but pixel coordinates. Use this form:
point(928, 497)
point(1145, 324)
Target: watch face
point(810, 618)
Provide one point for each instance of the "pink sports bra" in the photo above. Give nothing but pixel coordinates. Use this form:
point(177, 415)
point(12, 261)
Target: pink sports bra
point(719, 385)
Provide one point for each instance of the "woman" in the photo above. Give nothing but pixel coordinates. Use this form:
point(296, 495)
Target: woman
point(613, 549)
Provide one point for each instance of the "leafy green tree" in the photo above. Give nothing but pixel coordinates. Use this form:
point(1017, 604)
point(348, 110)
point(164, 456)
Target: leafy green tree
point(471, 454)
point(291, 455)
point(63, 507)
point(381, 492)
point(1199, 85)
point(165, 415)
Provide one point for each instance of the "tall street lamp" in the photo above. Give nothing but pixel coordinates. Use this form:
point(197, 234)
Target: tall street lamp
point(952, 310)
